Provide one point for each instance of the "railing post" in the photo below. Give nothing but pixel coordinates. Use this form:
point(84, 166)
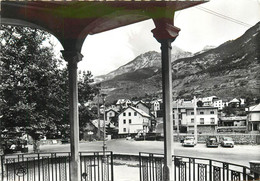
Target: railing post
point(244, 173)
point(210, 170)
point(140, 167)
point(112, 167)
point(255, 169)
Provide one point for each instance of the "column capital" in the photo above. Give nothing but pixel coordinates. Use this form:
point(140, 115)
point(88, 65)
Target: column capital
point(165, 30)
point(72, 56)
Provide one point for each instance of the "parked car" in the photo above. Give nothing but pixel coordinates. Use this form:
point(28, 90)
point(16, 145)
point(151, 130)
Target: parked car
point(212, 141)
point(227, 142)
point(189, 141)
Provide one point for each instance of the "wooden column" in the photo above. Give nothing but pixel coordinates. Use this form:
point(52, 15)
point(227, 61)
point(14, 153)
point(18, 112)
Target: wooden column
point(165, 33)
point(73, 57)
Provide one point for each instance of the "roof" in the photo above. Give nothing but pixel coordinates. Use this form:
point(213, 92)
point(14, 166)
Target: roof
point(141, 102)
point(255, 108)
point(235, 100)
point(112, 110)
point(141, 112)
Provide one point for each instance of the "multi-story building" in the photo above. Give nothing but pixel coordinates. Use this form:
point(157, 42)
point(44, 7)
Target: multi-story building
point(254, 118)
point(133, 120)
point(206, 117)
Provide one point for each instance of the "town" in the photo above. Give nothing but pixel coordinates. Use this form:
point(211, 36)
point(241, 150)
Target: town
point(214, 116)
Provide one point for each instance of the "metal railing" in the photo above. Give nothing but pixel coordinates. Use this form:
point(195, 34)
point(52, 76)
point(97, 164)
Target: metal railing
point(196, 169)
point(94, 166)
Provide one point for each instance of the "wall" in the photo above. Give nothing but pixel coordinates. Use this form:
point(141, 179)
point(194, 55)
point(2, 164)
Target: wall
point(238, 138)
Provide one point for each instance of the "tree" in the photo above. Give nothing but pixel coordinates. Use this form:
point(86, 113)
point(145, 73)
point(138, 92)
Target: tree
point(34, 85)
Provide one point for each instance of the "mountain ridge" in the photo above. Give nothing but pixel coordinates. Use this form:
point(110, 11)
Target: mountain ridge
point(229, 70)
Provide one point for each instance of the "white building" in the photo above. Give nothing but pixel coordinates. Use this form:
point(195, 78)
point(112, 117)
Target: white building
point(206, 118)
point(133, 120)
point(254, 118)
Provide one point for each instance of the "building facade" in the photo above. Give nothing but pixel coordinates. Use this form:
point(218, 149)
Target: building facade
point(254, 119)
point(133, 120)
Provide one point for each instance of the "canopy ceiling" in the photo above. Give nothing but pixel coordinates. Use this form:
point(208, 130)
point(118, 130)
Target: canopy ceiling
point(71, 22)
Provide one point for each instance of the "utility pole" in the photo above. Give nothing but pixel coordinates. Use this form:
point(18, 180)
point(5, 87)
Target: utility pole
point(195, 120)
point(98, 132)
point(177, 118)
point(104, 125)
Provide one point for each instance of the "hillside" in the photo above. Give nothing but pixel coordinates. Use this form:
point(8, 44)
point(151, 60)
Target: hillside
point(230, 70)
point(150, 59)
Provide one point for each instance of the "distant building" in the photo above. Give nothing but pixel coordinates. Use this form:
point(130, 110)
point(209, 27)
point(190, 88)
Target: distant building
point(133, 120)
point(112, 116)
point(206, 119)
point(144, 107)
point(233, 121)
point(123, 103)
point(156, 107)
point(254, 119)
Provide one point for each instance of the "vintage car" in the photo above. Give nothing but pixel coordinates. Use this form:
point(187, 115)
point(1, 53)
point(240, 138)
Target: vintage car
point(227, 142)
point(212, 141)
point(189, 141)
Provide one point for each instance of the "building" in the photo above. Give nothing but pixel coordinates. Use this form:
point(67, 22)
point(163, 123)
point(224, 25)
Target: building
point(254, 119)
point(207, 117)
point(143, 107)
point(133, 120)
point(112, 116)
point(232, 124)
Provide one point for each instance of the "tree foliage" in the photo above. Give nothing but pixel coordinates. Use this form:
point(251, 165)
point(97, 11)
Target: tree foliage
point(34, 84)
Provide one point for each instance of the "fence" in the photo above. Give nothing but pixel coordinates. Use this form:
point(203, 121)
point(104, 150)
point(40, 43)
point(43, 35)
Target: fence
point(94, 166)
point(199, 169)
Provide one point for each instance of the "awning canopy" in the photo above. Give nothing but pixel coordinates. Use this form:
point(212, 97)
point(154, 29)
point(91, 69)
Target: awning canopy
point(70, 22)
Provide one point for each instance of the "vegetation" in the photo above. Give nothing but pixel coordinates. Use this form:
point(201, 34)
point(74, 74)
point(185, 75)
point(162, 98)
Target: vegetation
point(34, 85)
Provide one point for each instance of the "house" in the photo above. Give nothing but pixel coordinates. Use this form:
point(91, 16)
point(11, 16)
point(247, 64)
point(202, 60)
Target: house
point(155, 107)
point(144, 107)
point(232, 124)
point(112, 116)
point(206, 118)
point(254, 119)
point(233, 121)
point(133, 120)
point(123, 103)
point(234, 103)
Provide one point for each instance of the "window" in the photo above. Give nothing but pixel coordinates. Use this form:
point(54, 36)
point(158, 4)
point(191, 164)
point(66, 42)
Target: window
point(129, 114)
point(212, 120)
point(212, 112)
point(124, 130)
point(201, 120)
point(111, 114)
point(201, 112)
point(192, 113)
point(124, 121)
point(192, 120)
point(130, 121)
point(135, 113)
point(124, 114)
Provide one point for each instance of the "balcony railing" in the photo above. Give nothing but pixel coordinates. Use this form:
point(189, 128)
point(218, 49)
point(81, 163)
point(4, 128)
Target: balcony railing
point(98, 167)
point(191, 168)
point(56, 167)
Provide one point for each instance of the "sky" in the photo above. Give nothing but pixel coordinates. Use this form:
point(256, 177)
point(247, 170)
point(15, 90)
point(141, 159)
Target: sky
point(105, 52)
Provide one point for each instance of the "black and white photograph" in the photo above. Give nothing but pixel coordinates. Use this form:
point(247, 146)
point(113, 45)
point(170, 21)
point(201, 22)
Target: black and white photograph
point(130, 90)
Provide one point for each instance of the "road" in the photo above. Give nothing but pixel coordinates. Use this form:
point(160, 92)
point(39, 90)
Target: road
point(240, 154)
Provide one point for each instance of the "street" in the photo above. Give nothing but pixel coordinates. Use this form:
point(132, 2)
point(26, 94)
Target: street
point(240, 154)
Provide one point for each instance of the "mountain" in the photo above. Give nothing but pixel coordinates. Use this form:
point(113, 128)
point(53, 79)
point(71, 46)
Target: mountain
point(228, 71)
point(149, 59)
